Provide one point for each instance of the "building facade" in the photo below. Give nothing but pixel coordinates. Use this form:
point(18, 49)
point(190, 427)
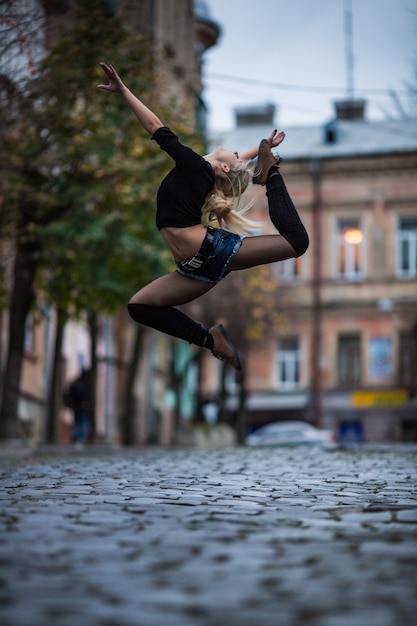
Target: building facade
point(346, 357)
point(179, 33)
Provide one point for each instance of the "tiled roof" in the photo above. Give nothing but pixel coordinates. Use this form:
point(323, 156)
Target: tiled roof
point(351, 138)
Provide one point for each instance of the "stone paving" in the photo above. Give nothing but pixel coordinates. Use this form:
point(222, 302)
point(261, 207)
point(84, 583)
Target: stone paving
point(234, 537)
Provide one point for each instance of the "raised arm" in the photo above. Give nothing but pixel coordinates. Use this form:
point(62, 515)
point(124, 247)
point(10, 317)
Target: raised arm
point(146, 117)
point(275, 138)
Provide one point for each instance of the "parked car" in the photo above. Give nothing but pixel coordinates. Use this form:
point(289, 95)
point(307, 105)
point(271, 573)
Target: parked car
point(291, 434)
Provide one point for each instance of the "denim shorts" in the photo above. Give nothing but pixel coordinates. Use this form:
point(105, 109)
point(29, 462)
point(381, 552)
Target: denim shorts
point(211, 262)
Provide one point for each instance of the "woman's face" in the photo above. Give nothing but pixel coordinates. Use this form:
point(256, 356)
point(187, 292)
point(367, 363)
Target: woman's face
point(231, 159)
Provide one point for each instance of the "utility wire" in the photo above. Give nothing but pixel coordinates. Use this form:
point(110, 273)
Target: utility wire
point(282, 103)
point(287, 87)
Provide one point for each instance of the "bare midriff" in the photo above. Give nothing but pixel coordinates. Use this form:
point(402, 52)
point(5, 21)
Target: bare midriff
point(184, 243)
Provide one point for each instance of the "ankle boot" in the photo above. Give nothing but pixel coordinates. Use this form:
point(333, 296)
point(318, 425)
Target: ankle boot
point(223, 349)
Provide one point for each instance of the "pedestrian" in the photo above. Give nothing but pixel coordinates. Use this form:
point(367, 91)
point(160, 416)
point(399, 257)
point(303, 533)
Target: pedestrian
point(78, 398)
point(197, 193)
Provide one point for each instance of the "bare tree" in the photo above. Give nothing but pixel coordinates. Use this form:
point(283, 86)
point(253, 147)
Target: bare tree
point(247, 303)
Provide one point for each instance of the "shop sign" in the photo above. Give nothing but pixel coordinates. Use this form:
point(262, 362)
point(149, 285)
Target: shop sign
point(389, 397)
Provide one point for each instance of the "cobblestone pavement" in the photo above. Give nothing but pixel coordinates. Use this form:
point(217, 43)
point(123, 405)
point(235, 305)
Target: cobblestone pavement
point(237, 537)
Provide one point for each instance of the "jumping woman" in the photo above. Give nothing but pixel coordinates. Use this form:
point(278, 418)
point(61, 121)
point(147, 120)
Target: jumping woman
point(197, 193)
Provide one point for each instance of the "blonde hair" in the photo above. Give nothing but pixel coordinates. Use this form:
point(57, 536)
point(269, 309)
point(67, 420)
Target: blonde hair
point(222, 206)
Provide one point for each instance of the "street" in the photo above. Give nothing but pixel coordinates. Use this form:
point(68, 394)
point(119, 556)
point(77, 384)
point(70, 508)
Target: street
point(231, 537)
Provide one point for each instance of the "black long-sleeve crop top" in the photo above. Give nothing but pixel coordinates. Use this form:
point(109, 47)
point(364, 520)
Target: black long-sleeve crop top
point(182, 193)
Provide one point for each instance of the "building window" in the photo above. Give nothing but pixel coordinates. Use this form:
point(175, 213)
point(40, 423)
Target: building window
point(349, 359)
point(231, 381)
point(289, 363)
point(407, 247)
point(29, 339)
point(407, 359)
point(380, 358)
point(287, 271)
point(349, 249)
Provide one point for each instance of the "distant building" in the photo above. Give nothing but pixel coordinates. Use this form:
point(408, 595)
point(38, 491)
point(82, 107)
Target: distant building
point(348, 355)
point(179, 31)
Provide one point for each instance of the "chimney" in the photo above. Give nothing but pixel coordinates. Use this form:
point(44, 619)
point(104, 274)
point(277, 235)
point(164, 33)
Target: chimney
point(256, 114)
point(331, 132)
point(350, 109)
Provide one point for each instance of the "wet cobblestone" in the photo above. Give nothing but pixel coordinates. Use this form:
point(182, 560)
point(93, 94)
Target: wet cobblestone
point(238, 537)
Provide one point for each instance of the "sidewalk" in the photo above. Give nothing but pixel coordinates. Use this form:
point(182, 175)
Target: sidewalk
point(234, 537)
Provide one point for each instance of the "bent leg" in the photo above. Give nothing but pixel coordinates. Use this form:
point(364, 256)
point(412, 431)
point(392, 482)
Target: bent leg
point(283, 213)
point(171, 290)
point(153, 306)
point(293, 238)
point(260, 250)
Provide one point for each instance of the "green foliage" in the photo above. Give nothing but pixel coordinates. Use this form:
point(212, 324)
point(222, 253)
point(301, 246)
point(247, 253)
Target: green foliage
point(84, 170)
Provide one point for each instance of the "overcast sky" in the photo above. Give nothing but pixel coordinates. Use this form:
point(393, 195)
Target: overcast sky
point(296, 47)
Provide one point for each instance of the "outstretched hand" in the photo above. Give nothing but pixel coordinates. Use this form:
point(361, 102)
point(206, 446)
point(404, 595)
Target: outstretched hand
point(275, 138)
point(115, 82)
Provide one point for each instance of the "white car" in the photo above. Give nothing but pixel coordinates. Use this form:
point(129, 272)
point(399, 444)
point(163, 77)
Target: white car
point(291, 434)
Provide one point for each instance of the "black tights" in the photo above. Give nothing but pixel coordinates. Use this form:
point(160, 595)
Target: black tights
point(283, 213)
point(174, 322)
